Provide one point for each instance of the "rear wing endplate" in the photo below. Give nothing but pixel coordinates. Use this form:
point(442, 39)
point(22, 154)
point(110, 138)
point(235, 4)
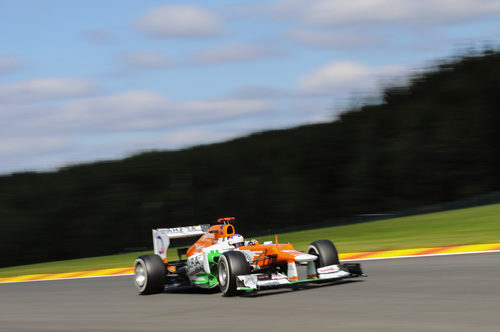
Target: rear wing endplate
point(162, 236)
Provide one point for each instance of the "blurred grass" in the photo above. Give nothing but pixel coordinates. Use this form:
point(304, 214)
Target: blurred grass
point(81, 264)
point(455, 227)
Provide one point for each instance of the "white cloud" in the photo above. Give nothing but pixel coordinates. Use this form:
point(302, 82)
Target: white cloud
point(233, 53)
point(341, 39)
point(226, 108)
point(419, 12)
point(193, 113)
point(344, 76)
point(105, 113)
point(41, 89)
point(179, 21)
point(133, 111)
point(146, 60)
point(9, 63)
point(47, 136)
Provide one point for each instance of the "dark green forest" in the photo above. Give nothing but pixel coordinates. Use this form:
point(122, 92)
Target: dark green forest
point(436, 139)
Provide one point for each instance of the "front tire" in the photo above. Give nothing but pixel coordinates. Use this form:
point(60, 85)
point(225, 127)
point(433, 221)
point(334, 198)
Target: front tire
point(150, 274)
point(326, 252)
point(231, 264)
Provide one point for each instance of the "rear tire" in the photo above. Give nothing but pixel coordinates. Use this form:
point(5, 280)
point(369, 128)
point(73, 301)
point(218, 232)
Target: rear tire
point(150, 274)
point(231, 264)
point(326, 252)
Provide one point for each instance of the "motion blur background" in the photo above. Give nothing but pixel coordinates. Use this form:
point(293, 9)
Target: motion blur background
point(281, 113)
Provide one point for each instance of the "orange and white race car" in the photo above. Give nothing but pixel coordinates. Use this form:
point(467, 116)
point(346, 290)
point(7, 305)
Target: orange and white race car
point(222, 258)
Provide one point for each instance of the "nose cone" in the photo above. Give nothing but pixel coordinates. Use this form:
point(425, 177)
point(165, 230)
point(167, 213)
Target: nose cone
point(295, 255)
point(305, 258)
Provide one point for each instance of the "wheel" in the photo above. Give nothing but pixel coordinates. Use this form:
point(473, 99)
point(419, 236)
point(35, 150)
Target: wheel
point(326, 252)
point(231, 264)
point(150, 274)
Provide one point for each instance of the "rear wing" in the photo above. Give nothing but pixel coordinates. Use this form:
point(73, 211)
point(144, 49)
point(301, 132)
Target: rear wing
point(162, 236)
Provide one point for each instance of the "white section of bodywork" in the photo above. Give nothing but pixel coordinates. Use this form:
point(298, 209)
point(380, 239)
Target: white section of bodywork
point(222, 245)
point(292, 270)
point(194, 264)
point(252, 281)
point(273, 283)
point(249, 281)
point(301, 257)
point(161, 242)
point(329, 269)
point(305, 258)
point(199, 261)
point(206, 265)
point(331, 272)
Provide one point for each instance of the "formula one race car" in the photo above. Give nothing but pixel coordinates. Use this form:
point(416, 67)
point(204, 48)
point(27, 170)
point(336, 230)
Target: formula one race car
point(224, 259)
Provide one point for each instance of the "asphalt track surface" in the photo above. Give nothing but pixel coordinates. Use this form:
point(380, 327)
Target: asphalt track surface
point(444, 293)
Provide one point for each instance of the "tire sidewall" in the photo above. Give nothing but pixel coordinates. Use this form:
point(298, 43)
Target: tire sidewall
point(233, 263)
point(155, 274)
point(326, 252)
point(224, 267)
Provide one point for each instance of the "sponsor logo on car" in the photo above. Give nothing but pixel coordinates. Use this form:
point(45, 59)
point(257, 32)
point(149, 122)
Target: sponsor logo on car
point(184, 229)
point(329, 269)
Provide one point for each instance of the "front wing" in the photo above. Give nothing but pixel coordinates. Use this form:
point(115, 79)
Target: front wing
point(256, 281)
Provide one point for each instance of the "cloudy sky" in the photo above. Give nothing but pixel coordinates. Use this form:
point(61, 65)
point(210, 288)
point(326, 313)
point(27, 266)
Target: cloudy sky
point(102, 79)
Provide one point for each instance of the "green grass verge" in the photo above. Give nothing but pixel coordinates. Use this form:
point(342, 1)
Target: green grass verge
point(455, 227)
point(464, 226)
point(72, 265)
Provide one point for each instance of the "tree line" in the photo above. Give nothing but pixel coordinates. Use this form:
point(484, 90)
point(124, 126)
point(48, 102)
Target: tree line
point(435, 139)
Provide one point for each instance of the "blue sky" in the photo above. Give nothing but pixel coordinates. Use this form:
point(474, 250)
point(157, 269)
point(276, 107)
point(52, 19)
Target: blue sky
point(102, 79)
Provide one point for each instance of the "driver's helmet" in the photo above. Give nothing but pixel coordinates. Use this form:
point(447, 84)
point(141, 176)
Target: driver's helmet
point(236, 240)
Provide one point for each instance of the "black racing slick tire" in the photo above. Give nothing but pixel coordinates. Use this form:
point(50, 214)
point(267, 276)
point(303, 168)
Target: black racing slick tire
point(150, 274)
point(326, 252)
point(231, 264)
